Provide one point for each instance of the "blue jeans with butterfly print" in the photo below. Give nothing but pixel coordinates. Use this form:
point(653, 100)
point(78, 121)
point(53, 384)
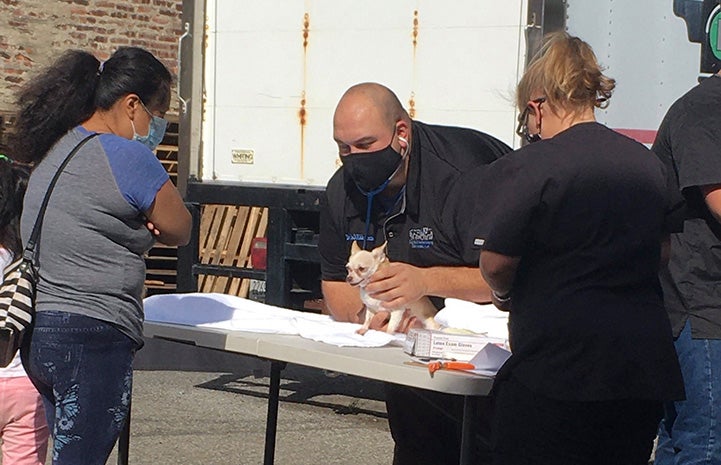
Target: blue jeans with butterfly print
point(82, 368)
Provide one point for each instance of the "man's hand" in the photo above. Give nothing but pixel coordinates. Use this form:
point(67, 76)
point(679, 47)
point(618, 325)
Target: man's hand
point(397, 285)
point(380, 322)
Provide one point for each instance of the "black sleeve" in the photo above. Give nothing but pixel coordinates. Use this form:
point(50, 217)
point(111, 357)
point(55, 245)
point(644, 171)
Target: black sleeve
point(486, 147)
point(677, 163)
point(507, 227)
point(467, 209)
point(332, 246)
point(696, 149)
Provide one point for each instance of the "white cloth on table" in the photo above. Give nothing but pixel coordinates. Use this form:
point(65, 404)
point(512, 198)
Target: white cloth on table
point(222, 311)
point(214, 310)
point(482, 319)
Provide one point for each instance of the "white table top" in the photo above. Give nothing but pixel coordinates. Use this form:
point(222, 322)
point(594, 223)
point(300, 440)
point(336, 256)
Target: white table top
point(383, 364)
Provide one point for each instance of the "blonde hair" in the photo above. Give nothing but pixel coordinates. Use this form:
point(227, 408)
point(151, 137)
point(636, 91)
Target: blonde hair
point(566, 71)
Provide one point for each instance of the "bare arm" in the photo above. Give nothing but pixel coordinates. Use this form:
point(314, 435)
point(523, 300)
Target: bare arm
point(343, 301)
point(712, 195)
point(399, 284)
point(499, 272)
point(170, 219)
point(464, 283)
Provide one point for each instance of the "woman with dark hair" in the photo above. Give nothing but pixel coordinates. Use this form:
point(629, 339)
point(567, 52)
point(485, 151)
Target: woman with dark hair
point(110, 203)
point(572, 249)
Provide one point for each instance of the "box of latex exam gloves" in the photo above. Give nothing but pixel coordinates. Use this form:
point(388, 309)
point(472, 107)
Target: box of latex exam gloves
point(429, 343)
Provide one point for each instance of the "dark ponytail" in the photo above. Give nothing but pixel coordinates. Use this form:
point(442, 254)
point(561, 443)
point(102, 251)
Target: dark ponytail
point(52, 103)
point(13, 182)
point(68, 93)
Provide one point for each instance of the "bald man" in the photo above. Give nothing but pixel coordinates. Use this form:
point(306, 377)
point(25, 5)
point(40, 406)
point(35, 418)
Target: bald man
point(394, 187)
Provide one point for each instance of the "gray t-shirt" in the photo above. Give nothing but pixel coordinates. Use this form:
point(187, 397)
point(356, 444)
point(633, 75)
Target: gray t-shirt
point(94, 236)
point(689, 142)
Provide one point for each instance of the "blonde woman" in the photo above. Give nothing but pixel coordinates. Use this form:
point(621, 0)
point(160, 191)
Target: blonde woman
point(572, 250)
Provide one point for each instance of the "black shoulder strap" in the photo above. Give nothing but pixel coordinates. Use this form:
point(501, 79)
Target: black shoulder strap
point(31, 249)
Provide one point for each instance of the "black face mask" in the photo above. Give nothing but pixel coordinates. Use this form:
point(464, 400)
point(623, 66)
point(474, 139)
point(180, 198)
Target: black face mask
point(372, 171)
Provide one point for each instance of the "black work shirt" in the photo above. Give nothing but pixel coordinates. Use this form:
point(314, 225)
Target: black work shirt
point(414, 230)
point(585, 211)
point(689, 142)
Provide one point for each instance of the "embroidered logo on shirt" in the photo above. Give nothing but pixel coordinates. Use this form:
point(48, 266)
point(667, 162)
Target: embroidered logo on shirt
point(478, 242)
point(358, 237)
point(420, 238)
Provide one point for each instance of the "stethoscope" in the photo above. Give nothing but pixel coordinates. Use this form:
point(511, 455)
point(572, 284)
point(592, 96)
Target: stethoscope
point(369, 195)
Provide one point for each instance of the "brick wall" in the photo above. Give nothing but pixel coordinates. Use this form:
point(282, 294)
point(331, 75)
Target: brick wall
point(34, 32)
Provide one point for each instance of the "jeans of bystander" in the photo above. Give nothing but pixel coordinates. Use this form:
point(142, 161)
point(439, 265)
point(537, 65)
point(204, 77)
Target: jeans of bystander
point(82, 368)
point(690, 432)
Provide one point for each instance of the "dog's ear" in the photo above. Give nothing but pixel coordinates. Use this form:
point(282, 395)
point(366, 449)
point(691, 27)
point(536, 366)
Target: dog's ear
point(354, 248)
point(379, 252)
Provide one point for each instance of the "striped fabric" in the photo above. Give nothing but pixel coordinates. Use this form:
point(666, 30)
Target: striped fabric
point(17, 296)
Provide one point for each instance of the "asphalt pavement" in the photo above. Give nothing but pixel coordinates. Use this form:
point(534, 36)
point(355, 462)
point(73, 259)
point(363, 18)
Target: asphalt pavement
point(195, 406)
point(198, 406)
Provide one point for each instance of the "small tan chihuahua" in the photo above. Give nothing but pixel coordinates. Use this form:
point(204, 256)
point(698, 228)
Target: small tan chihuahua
point(361, 266)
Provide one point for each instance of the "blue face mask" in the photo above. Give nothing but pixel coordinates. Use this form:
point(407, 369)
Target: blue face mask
point(156, 131)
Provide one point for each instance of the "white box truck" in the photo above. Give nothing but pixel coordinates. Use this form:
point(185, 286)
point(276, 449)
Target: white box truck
point(259, 81)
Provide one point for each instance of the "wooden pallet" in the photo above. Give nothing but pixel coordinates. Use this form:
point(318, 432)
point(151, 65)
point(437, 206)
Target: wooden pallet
point(168, 156)
point(226, 233)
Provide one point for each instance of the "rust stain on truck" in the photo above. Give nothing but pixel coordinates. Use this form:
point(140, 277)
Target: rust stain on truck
point(302, 112)
point(415, 31)
point(412, 100)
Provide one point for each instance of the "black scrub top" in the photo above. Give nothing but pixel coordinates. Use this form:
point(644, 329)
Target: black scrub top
point(414, 228)
point(585, 211)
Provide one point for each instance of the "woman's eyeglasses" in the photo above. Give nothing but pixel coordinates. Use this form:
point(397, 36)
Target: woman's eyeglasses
point(522, 129)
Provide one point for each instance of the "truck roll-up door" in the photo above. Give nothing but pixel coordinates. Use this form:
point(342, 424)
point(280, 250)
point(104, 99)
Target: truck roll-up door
point(274, 71)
